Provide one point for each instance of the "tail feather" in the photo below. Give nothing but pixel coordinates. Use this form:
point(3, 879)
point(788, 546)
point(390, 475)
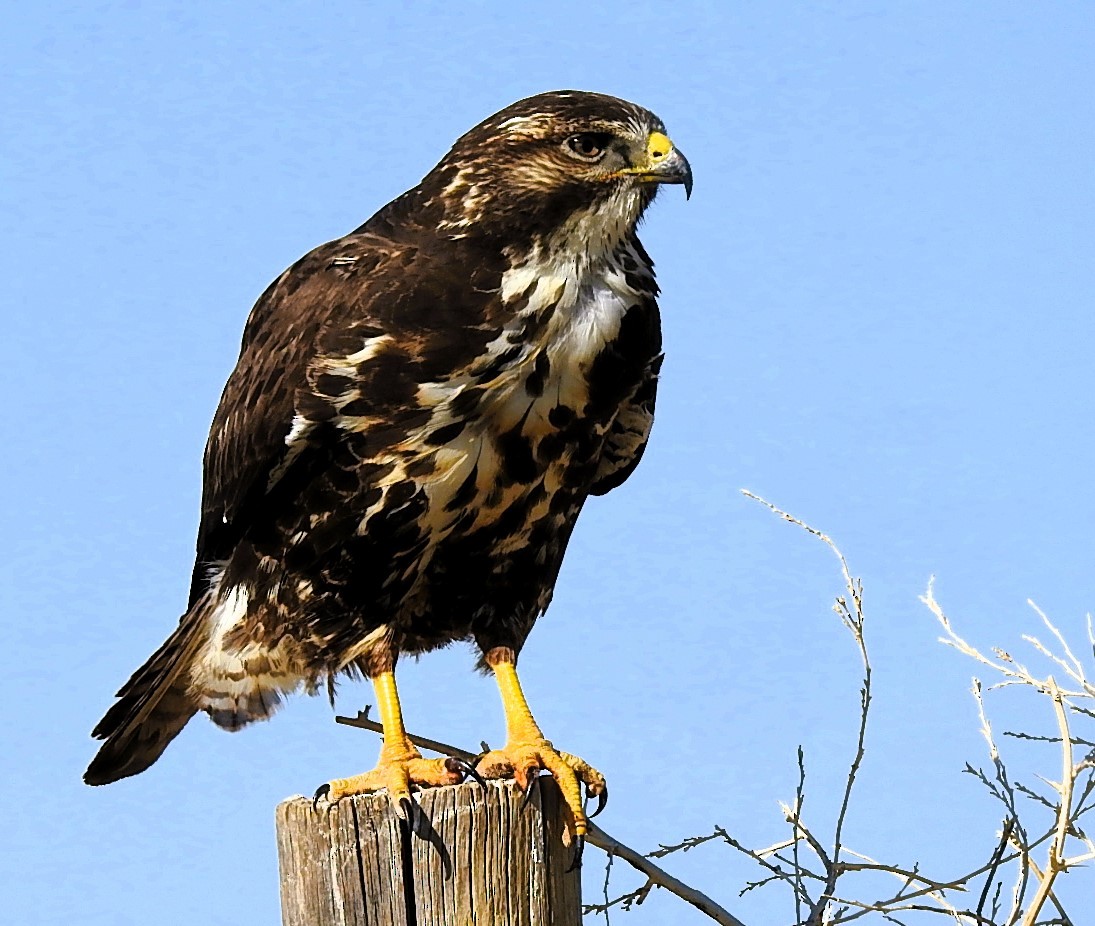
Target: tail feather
point(153, 706)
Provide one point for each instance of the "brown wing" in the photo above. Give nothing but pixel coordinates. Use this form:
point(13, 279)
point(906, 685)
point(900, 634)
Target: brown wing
point(350, 329)
point(627, 439)
point(636, 356)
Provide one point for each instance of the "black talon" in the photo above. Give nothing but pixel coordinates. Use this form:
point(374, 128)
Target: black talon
point(405, 810)
point(322, 791)
point(533, 786)
point(483, 750)
point(455, 764)
point(602, 800)
point(577, 863)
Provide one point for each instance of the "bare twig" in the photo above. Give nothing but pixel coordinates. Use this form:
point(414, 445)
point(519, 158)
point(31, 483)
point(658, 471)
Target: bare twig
point(363, 722)
point(850, 610)
point(1056, 862)
point(800, 798)
point(994, 862)
point(598, 837)
point(1014, 846)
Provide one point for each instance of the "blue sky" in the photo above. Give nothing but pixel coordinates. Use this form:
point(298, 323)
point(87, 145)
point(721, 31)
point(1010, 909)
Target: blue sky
point(877, 313)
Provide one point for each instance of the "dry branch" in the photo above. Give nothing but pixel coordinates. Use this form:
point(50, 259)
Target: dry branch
point(811, 863)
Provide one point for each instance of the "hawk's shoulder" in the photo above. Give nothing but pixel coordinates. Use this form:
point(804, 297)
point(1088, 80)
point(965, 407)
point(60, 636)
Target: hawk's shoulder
point(349, 331)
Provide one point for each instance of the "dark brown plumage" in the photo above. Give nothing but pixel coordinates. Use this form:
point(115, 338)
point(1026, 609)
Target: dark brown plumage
point(419, 411)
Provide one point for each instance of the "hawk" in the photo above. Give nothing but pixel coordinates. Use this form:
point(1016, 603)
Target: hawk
point(419, 412)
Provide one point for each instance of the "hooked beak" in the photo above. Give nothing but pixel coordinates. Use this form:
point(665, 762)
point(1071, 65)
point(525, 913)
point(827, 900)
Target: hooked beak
point(664, 164)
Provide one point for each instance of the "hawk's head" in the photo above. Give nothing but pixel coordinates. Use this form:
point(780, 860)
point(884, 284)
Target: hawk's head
point(556, 163)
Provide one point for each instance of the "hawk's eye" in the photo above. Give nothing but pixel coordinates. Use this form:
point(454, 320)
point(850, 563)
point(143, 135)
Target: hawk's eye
point(589, 146)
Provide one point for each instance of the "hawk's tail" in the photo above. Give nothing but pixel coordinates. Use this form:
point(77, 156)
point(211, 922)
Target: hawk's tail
point(153, 706)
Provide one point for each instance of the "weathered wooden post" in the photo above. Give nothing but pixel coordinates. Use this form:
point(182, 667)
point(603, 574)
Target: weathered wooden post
point(477, 857)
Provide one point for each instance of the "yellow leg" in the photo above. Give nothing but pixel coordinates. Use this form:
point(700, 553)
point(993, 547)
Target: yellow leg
point(521, 726)
point(400, 764)
point(391, 712)
point(527, 751)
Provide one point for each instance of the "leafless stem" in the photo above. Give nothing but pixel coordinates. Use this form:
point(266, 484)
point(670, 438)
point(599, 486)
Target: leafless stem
point(363, 722)
point(1056, 862)
point(851, 613)
point(599, 838)
point(994, 862)
point(800, 797)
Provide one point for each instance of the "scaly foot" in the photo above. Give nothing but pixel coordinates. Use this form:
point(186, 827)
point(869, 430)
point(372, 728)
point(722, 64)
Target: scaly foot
point(523, 761)
point(401, 765)
point(400, 768)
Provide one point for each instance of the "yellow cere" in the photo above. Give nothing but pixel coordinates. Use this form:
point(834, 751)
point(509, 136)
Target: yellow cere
point(658, 147)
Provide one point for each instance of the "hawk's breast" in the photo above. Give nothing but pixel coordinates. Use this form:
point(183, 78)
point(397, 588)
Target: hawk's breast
point(523, 414)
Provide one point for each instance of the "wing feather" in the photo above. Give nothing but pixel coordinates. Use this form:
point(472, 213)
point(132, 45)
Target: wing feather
point(337, 344)
point(627, 438)
point(637, 358)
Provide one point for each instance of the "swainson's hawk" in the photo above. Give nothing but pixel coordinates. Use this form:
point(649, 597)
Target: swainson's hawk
point(419, 412)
